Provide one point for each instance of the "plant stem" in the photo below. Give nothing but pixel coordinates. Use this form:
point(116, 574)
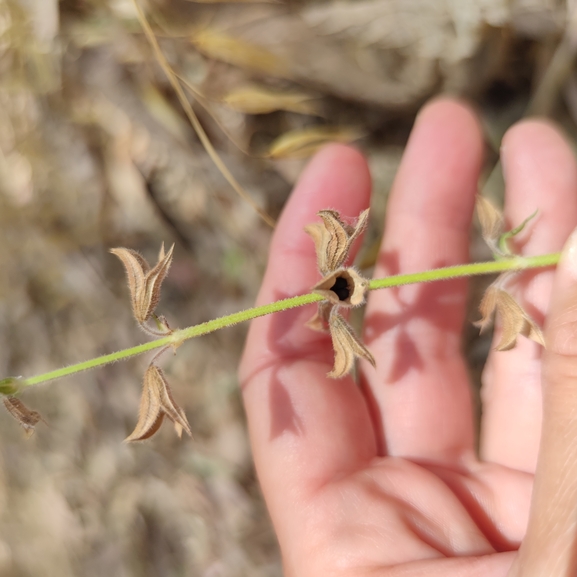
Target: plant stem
point(179, 336)
point(477, 268)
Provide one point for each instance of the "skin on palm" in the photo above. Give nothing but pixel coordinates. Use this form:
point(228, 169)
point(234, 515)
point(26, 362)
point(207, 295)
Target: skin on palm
point(382, 479)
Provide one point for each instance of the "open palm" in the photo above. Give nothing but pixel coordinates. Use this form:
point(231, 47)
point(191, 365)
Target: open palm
point(383, 478)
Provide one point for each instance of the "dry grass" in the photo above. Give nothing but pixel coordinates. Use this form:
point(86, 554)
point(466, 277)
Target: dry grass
point(96, 152)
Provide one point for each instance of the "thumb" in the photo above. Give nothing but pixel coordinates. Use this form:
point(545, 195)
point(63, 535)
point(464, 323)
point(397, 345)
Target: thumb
point(550, 545)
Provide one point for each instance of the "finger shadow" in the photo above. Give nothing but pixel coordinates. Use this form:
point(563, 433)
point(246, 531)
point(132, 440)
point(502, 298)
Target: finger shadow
point(289, 341)
point(434, 301)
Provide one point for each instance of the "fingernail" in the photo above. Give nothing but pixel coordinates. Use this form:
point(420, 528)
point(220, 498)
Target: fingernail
point(568, 260)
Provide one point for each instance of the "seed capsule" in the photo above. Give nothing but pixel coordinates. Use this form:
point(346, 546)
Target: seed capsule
point(341, 288)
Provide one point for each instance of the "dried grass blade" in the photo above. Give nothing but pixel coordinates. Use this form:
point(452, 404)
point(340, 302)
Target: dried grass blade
point(220, 46)
point(204, 102)
point(305, 142)
point(255, 99)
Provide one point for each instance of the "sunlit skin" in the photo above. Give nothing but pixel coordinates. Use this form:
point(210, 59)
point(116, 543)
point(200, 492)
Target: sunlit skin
point(383, 478)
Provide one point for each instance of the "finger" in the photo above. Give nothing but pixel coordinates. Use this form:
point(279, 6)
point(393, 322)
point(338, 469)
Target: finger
point(541, 174)
point(305, 428)
point(420, 389)
point(551, 540)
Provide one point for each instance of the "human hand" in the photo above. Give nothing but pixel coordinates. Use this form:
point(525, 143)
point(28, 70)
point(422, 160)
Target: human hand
point(383, 478)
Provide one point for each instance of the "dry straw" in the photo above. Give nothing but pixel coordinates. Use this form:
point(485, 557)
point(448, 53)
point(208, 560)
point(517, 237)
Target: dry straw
point(193, 119)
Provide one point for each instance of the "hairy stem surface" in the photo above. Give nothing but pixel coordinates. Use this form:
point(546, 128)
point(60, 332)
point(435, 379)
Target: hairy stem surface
point(516, 263)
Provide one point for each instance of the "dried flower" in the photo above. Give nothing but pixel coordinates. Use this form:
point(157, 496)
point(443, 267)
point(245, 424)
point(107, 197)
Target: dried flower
point(340, 287)
point(156, 403)
point(27, 418)
point(144, 283)
point(346, 345)
point(333, 239)
point(514, 319)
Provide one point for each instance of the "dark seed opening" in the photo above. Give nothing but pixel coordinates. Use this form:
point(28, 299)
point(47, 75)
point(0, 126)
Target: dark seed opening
point(341, 288)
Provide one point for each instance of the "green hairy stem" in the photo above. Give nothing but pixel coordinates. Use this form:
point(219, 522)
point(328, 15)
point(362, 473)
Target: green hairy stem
point(175, 339)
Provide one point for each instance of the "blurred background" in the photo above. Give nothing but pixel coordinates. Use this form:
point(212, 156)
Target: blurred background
point(96, 152)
